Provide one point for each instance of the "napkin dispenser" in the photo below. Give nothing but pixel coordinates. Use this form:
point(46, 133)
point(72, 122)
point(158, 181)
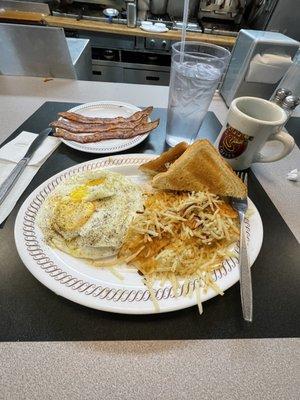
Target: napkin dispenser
point(258, 62)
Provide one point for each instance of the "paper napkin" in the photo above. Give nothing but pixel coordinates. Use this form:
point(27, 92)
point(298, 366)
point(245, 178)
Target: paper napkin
point(11, 154)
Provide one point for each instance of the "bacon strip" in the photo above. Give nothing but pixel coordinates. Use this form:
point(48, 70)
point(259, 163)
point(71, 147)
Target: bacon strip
point(78, 127)
point(90, 137)
point(92, 120)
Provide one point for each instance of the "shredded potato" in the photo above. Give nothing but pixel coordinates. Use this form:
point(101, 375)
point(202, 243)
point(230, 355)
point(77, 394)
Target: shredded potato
point(180, 235)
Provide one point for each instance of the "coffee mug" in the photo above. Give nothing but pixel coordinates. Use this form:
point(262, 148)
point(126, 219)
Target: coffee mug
point(251, 122)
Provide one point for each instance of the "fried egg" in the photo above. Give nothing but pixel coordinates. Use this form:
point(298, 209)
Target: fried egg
point(88, 214)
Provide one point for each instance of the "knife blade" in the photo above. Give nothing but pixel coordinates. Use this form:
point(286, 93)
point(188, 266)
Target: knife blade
point(12, 178)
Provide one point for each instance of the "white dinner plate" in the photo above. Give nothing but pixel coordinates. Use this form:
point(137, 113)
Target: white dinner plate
point(106, 109)
point(99, 288)
point(154, 29)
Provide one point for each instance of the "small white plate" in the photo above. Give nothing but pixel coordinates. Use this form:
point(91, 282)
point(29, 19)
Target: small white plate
point(154, 29)
point(106, 109)
point(99, 288)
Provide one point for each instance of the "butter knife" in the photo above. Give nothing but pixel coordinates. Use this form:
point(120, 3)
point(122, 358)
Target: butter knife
point(12, 178)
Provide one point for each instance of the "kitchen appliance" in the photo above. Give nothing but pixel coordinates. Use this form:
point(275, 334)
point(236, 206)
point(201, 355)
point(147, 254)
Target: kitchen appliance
point(128, 59)
point(218, 17)
point(120, 58)
point(165, 11)
point(232, 10)
point(259, 60)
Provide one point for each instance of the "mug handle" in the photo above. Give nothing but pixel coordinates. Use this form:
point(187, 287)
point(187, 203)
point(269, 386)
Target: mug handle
point(288, 145)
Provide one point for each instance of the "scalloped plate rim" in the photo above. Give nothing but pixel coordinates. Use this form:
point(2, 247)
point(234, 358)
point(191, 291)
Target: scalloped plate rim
point(136, 307)
point(93, 148)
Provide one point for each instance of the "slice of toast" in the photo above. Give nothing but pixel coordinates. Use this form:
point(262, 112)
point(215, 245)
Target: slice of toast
point(161, 163)
point(201, 167)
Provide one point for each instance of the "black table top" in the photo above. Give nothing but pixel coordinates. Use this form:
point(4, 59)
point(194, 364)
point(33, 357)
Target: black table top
point(31, 312)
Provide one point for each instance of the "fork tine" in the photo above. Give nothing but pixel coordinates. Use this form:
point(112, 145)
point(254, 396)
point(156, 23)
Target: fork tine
point(240, 174)
point(243, 175)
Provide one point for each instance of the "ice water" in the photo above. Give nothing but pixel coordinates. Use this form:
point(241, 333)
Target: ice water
point(192, 86)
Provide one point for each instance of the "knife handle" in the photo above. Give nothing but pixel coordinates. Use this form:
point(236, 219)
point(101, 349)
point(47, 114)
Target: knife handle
point(245, 274)
point(9, 182)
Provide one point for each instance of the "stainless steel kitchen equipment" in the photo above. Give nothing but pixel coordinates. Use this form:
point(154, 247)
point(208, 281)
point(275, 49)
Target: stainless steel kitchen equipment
point(80, 52)
point(219, 17)
point(142, 9)
point(131, 13)
point(151, 10)
point(259, 60)
point(90, 10)
point(175, 8)
point(43, 51)
point(122, 58)
point(232, 10)
point(102, 3)
point(158, 7)
point(276, 15)
point(126, 59)
point(28, 6)
point(110, 52)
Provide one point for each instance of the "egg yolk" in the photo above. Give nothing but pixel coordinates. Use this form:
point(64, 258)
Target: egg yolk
point(70, 216)
point(95, 182)
point(80, 192)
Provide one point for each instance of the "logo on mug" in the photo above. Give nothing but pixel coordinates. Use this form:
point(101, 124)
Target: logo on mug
point(233, 143)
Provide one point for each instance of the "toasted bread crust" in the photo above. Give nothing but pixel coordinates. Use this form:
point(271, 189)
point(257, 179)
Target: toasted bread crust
point(201, 168)
point(157, 165)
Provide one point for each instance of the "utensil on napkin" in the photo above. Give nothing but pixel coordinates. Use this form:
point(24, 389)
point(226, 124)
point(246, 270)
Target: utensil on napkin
point(20, 159)
point(241, 206)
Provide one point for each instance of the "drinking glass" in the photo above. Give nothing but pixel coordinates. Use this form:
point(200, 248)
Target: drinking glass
point(195, 75)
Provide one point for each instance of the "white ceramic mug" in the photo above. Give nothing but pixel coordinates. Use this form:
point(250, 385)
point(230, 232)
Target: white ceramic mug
point(251, 122)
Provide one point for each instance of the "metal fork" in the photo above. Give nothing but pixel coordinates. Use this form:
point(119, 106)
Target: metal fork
point(241, 206)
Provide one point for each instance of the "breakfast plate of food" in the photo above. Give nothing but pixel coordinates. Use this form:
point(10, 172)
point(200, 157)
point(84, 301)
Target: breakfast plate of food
point(138, 233)
point(104, 127)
